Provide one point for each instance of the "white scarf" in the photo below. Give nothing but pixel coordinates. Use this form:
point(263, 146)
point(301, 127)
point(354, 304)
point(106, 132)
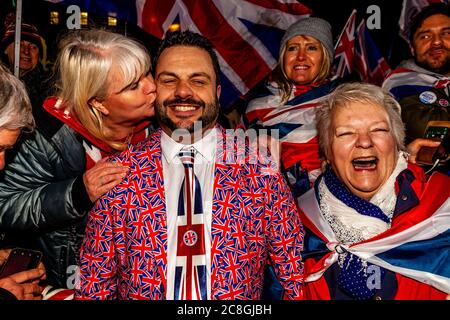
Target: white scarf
point(351, 226)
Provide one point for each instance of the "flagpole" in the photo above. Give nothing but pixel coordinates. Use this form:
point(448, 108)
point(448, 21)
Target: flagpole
point(17, 37)
point(343, 29)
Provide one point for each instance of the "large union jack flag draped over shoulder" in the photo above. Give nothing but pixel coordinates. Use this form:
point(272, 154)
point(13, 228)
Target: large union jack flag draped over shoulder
point(245, 33)
point(418, 250)
point(356, 52)
point(409, 10)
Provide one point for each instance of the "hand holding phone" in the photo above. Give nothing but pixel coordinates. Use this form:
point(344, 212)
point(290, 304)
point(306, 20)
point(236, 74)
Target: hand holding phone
point(437, 131)
point(19, 260)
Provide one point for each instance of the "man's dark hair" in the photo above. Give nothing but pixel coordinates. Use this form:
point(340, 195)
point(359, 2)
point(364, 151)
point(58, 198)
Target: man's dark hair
point(189, 39)
point(431, 10)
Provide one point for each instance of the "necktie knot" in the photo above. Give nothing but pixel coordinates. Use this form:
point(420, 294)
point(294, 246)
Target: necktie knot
point(187, 155)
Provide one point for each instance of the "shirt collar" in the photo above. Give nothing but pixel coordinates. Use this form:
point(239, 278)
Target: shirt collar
point(206, 146)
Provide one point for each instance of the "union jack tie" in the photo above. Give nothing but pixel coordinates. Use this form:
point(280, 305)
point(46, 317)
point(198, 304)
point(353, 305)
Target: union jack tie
point(190, 271)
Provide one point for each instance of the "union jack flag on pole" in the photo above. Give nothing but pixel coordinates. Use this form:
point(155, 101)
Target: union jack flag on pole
point(344, 49)
point(356, 52)
point(369, 63)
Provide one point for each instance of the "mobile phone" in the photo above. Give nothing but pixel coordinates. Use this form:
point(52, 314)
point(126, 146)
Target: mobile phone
point(439, 131)
point(19, 260)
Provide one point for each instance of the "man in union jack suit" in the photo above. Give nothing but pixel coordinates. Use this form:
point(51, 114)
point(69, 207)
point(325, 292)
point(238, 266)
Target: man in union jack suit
point(199, 213)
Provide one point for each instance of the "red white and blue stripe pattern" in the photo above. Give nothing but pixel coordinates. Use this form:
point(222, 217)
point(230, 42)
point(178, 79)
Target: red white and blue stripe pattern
point(409, 79)
point(295, 123)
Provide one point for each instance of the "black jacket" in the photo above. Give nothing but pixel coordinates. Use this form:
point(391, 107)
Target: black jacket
point(43, 201)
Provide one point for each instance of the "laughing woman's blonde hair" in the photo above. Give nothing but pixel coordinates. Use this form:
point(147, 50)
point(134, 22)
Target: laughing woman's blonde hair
point(15, 106)
point(84, 66)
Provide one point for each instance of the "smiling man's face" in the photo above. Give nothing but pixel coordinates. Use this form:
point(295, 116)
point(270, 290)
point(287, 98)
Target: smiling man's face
point(186, 89)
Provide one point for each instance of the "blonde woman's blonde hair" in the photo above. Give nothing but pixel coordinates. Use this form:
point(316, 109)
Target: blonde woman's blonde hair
point(286, 86)
point(84, 66)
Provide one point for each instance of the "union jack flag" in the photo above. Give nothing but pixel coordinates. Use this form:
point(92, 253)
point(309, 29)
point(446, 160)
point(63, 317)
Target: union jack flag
point(407, 80)
point(344, 48)
point(356, 52)
point(245, 33)
point(369, 63)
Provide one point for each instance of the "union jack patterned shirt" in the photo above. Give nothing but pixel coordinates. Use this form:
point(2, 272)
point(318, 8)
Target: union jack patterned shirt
point(124, 253)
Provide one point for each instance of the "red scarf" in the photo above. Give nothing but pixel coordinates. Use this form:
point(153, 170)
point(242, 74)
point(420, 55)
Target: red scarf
point(94, 147)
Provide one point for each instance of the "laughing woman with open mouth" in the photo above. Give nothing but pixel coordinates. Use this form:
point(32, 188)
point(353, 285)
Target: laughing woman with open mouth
point(376, 227)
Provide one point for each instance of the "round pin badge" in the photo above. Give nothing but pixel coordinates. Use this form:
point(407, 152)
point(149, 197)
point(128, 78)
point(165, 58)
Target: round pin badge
point(427, 97)
point(443, 103)
point(190, 238)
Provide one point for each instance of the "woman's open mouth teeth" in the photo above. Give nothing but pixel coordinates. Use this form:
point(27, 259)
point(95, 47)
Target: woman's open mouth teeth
point(365, 163)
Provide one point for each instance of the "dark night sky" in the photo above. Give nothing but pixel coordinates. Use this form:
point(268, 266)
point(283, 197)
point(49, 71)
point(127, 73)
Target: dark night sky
point(336, 12)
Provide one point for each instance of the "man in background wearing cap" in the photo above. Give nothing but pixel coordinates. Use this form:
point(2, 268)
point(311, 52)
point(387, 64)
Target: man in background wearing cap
point(32, 51)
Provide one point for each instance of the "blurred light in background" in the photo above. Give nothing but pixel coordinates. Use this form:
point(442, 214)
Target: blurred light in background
point(84, 19)
point(112, 22)
point(54, 17)
point(174, 27)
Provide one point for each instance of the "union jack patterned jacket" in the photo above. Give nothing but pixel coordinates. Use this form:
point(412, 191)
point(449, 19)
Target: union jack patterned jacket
point(254, 217)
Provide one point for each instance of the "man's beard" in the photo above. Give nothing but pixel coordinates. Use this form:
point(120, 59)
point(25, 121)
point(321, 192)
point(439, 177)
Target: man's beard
point(209, 116)
point(443, 68)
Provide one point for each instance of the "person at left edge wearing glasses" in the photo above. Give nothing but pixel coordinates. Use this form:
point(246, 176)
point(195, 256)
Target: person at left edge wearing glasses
point(104, 101)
